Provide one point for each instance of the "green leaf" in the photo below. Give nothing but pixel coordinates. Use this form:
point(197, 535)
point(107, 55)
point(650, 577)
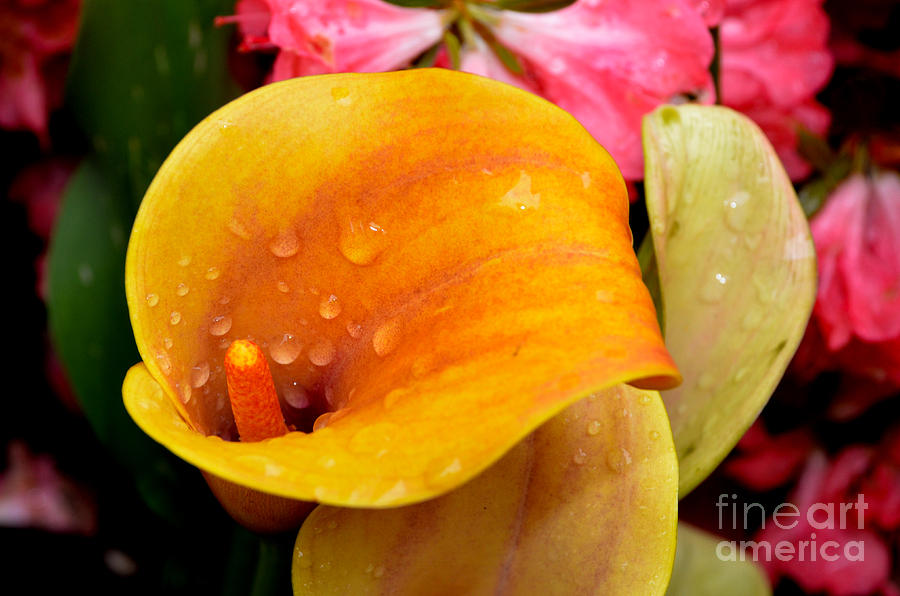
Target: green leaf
point(418, 3)
point(452, 44)
point(532, 5)
point(700, 572)
point(737, 271)
point(142, 74)
point(89, 323)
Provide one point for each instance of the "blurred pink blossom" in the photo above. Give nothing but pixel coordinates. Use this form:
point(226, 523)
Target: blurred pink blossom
point(33, 494)
point(607, 63)
point(774, 59)
point(35, 36)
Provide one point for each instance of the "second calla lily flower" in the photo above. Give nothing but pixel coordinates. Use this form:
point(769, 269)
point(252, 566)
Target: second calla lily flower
point(433, 263)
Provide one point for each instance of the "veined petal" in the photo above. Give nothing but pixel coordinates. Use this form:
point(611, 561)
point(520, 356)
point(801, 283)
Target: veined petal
point(321, 36)
point(585, 505)
point(737, 270)
point(435, 261)
point(609, 63)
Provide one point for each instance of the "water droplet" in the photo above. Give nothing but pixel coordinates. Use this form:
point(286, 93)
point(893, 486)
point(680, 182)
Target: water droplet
point(362, 243)
point(184, 261)
point(329, 307)
point(168, 343)
point(654, 435)
point(586, 179)
point(285, 245)
point(713, 290)
point(580, 456)
point(184, 393)
point(386, 338)
point(212, 273)
point(175, 317)
point(354, 330)
point(736, 214)
point(199, 375)
point(238, 229)
point(285, 349)
point(283, 287)
point(296, 396)
point(442, 470)
point(220, 325)
point(322, 353)
point(644, 399)
point(341, 96)
point(165, 365)
point(520, 197)
point(618, 459)
point(303, 560)
point(152, 300)
point(322, 421)
point(182, 290)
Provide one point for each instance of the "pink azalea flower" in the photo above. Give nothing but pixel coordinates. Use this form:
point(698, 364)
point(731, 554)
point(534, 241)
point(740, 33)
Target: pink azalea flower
point(37, 34)
point(857, 237)
point(830, 484)
point(321, 36)
point(765, 461)
point(774, 60)
point(607, 63)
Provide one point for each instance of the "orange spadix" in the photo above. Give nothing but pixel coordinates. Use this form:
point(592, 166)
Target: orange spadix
point(251, 390)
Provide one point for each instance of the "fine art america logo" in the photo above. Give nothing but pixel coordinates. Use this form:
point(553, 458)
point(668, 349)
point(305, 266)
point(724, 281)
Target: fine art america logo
point(787, 516)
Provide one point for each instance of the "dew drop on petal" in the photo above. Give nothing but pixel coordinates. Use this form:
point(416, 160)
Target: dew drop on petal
point(182, 290)
point(238, 229)
point(329, 307)
point(713, 290)
point(736, 213)
point(184, 392)
point(580, 456)
point(322, 421)
point(361, 243)
point(184, 261)
point(283, 287)
point(618, 459)
point(199, 375)
point(354, 330)
point(168, 343)
point(285, 245)
point(594, 427)
point(285, 349)
point(322, 352)
point(165, 365)
point(654, 435)
point(296, 396)
point(152, 300)
point(220, 325)
point(386, 338)
point(175, 317)
point(212, 273)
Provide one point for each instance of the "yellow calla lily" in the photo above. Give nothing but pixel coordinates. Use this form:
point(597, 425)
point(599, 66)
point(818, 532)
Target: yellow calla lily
point(434, 264)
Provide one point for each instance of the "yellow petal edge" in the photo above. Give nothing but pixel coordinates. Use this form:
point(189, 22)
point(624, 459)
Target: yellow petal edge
point(441, 260)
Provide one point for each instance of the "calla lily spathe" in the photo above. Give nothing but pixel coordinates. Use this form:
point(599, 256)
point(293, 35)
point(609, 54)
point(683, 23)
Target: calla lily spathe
point(434, 262)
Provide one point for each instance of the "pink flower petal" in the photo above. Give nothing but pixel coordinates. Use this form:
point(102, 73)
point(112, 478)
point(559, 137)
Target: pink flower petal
point(349, 35)
point(609, 63)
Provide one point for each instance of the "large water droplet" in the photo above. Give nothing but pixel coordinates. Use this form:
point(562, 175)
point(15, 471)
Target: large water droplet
point(341, 96)
point(296, 396)
point(285, 245)
point(322, 352)
point(386, 338)
point(594, 427)
point(168, 343)
point(165, 365)
point(184, 261)
point(329, 307)
point(184, 393)
point(285, 349)
point(175, 317)
point(199, 375)
point(654, 435)
point(736, 212)
point(212, 273)
point(283, 287)
point(152, 300)
point(361, 243)
point(220, 325)
point(182, 290)
point(713, 289)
